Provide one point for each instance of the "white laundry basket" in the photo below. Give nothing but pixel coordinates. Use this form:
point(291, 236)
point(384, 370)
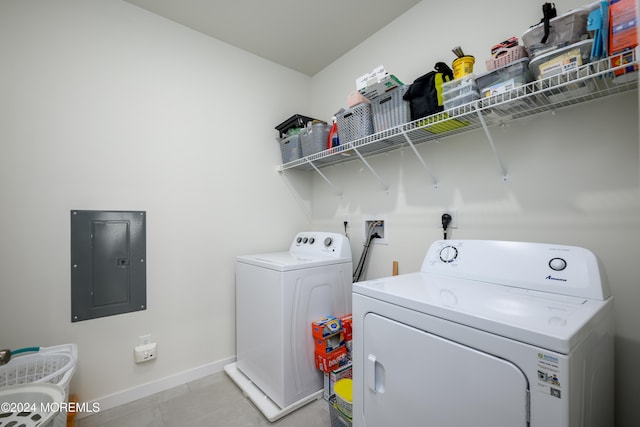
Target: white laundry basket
point(31, 405)
point(55, 365)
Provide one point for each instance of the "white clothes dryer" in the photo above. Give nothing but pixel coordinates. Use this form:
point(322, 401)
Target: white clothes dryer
point(278, 296)
point(488, 334)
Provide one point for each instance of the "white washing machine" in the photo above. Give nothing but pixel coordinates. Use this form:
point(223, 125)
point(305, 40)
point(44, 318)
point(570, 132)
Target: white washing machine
point(487, 334)
point(278, 295)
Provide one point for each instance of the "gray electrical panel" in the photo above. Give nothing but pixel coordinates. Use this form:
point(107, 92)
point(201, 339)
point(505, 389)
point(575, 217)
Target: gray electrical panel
point(108, 263)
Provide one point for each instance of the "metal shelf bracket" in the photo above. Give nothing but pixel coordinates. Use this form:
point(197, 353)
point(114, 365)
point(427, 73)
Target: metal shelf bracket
point(424, 164)
point(337, 189)
point(384, 185)
point(493, 146)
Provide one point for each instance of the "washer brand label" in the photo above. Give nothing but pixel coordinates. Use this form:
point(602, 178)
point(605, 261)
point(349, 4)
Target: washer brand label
point(559, 279)
point(548, 358)
point(549, 375)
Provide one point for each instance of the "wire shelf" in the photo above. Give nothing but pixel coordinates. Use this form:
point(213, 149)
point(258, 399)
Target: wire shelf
point(591, 81)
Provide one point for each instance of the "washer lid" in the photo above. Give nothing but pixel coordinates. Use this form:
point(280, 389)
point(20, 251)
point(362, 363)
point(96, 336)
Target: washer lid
point(551, 321)
point(287, 261)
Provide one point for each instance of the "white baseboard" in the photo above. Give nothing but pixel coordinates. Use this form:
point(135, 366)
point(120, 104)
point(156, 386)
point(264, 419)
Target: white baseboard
point(162, 384)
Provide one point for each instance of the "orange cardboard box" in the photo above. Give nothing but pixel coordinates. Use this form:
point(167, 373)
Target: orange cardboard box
point(330, 361)
point(623, 26)
point(323, 328)
point(346, 327)
point(328, 344)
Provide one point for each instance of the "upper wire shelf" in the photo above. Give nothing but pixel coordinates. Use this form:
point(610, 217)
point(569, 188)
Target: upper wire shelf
point(591, 81)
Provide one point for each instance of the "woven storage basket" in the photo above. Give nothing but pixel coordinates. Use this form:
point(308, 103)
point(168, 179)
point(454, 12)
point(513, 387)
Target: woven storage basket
point(290, 148)
point(390, 110)
point(314, 139)
point(505, 57)
point(338, 419)
point(354, 123)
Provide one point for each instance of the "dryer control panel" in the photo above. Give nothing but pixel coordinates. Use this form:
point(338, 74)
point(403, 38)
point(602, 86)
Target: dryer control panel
point(560, 269)
point(310, 243)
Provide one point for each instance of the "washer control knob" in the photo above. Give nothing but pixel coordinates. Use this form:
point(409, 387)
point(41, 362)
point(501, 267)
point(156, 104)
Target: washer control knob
point(311, 240)
point(299, 239)
point(328, 241)
point(448, 254)
point(558, 264)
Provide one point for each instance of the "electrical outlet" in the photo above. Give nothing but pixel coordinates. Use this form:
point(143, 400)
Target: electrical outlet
point(144, 353)
point(454, 218)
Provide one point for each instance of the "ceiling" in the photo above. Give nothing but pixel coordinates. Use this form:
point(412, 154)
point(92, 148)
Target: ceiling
point(304, 35)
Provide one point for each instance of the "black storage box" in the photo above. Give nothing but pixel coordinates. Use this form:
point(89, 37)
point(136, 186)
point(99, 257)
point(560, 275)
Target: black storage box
point(295, 121)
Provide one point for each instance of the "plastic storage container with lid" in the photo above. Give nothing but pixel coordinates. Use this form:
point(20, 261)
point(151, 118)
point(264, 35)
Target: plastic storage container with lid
point(459, 91)
point(564, 30)
point(562, 70)
point(504, 79)
point(563, 60)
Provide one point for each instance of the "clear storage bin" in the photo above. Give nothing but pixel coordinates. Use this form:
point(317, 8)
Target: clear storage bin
point(458, 87)
point(459, 100)
point(561, 60)
point(566, 29)
point(504, 79)
point(459, 91)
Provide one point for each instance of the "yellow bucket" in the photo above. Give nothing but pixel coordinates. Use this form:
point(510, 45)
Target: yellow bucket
point(463, 66)
point(344, 396)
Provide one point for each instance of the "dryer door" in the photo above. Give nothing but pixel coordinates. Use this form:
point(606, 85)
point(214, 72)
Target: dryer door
point(414, 378)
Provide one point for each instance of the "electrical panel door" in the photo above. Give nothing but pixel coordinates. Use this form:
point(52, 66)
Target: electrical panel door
point(108, 263)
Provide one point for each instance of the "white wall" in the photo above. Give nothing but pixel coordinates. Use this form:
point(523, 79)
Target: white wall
point(573, 177)
point(106, 106)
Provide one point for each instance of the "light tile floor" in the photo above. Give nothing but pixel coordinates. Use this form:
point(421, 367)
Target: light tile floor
point(211, 401)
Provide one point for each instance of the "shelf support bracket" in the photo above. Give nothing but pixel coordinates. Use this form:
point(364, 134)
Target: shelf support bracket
point(424, 164)
point(305, 208)
point(337, 189)
point(385, 186)
point(493, 146)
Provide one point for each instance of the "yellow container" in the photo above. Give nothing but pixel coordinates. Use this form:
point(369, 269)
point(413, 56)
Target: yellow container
point(463, 66)
point(344, 396)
